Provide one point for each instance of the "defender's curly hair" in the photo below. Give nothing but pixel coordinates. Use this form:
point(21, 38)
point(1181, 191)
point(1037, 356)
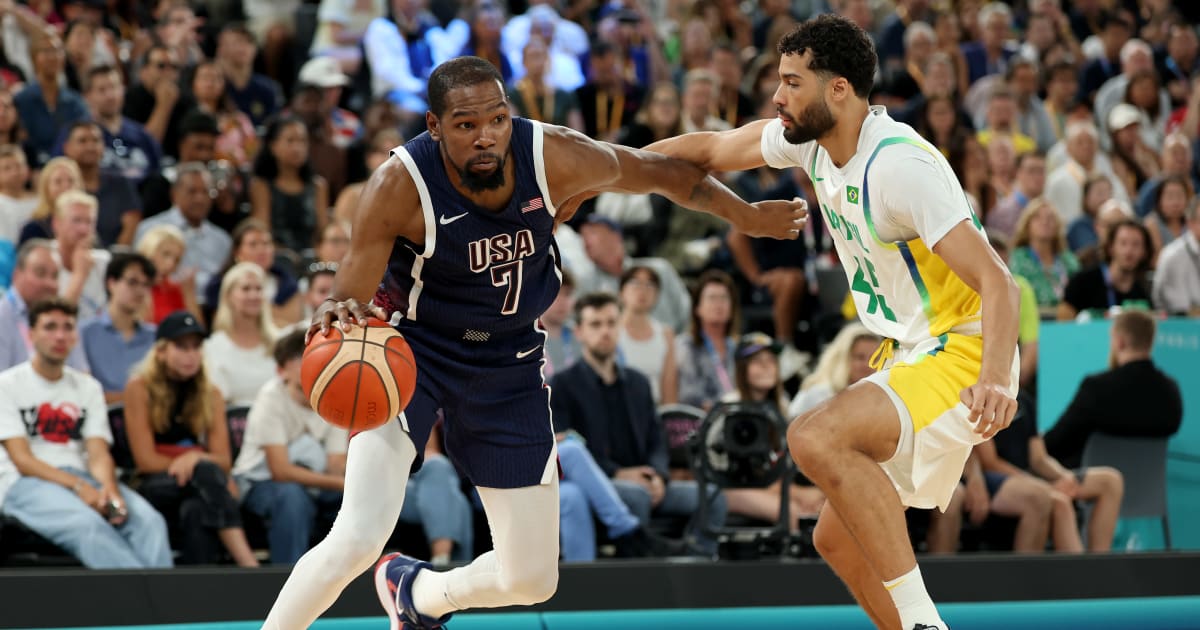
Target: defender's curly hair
point(839, 48)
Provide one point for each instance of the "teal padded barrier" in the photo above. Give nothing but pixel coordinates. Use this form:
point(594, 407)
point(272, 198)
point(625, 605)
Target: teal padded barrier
point(1161, 613)
point(1067, 352)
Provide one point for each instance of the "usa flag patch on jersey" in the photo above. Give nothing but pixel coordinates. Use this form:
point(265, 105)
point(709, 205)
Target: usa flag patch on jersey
point(533, 204)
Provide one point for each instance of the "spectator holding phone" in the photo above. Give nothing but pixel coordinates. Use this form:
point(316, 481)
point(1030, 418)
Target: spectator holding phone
point(58, 477)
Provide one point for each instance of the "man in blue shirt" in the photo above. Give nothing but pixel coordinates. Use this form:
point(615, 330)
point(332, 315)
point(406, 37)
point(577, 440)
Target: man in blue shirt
point(44, 106)
point(129, 151)
point(34, 279)
point(206, 245)
point(117, 339)
point(256, 95)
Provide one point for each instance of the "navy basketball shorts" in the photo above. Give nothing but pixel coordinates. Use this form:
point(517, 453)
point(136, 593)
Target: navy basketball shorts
point(495, 404)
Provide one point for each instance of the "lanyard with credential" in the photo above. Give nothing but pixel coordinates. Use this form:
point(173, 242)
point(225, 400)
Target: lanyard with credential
point(566, 344)
point(1108, 286)
point(606, 122)
point(22, 322)
point(1173, 66)
point(719, 365)
point(1194, 255)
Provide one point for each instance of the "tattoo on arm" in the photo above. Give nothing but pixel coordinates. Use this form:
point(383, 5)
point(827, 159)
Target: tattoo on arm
point(702, 192)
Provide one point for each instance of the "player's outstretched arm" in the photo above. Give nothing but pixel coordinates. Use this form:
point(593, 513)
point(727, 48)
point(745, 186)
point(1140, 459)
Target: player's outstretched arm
point(734, 150)
point(969, 256)
point(389, 207)
point(582, 165)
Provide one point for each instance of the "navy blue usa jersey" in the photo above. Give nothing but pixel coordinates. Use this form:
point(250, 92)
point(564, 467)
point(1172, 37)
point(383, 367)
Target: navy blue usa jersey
point(481, 272)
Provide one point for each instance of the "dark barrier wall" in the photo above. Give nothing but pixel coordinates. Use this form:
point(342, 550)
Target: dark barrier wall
point(75, 597)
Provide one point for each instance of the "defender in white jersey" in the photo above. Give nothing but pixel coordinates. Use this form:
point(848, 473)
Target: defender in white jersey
point(922, 275)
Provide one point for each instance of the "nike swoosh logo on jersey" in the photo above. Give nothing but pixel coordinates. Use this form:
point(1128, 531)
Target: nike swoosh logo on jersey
point(522, 355)
point(448, 220)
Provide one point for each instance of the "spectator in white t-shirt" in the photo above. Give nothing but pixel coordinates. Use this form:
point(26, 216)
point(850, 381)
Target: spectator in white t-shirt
point(56, 474)
point(292, 462)
point(1177, 278)
point(646, 344)
point(238, 354)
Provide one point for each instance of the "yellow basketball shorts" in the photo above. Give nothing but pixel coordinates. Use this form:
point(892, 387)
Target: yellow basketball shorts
point(925, 384)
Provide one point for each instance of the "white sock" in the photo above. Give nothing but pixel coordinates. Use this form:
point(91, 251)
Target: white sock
point(430, 592)
point(913, 602)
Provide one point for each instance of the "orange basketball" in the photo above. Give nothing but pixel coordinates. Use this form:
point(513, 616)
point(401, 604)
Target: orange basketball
point(360, 379)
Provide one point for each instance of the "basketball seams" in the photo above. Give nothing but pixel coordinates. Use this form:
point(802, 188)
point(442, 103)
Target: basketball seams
point(366, 343)
point(327, 342)
point(376, 358)
point(384, 389)
point(362, 354)
point(331, 374)
point(338, 358)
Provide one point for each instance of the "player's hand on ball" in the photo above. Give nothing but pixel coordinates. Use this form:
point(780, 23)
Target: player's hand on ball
point(780, 219)
point(992, 407)
point(346, 313)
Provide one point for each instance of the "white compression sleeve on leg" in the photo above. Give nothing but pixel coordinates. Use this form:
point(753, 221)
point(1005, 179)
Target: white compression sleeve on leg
point(377, 470)
point(522, 569)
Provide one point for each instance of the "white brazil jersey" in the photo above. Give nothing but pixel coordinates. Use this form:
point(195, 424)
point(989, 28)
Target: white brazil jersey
point(886, 209)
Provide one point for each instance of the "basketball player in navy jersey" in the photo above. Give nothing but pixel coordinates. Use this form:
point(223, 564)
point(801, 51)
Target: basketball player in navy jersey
point(459, 224)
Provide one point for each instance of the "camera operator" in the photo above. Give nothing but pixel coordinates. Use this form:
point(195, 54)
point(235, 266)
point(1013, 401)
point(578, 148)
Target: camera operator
point(757, 379)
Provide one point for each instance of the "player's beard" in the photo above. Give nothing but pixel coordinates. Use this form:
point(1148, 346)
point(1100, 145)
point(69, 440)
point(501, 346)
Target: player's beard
point(813, 123)
point(476, 182)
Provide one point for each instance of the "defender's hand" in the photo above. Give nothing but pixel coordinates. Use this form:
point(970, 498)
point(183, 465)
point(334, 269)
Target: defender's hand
point(346, 313)
point(775, 219)
point(992, 407)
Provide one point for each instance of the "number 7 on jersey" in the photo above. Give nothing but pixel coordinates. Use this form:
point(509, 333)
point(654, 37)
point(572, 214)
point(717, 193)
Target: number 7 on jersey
point(509, 274)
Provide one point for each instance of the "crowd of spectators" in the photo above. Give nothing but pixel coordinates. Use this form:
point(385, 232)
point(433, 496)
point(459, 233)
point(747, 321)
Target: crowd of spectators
point(178, 182)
